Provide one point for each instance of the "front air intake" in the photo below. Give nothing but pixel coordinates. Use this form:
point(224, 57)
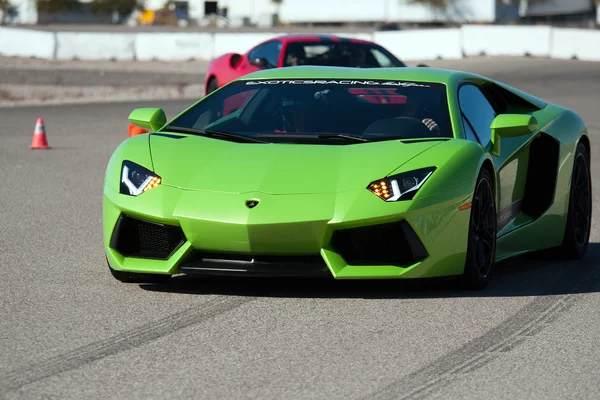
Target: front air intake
point(385, 244)
point(134, 237)
point(231, 264)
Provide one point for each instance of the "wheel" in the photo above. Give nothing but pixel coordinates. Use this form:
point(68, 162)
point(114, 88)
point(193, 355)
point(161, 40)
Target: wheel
point(481, 244)
point(579, 217)
point(212, 85)
point(132, 277)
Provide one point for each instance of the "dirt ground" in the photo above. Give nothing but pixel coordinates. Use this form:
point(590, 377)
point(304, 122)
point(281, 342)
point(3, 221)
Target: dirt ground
point(25, 81)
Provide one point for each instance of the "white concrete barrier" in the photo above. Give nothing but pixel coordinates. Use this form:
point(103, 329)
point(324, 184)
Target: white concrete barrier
point(174, 46)
point(358, 35)
point(95, 46)
point(507, 40)
point(27, 43)
point(422, 44)
point(582, 44)
point(425, 44)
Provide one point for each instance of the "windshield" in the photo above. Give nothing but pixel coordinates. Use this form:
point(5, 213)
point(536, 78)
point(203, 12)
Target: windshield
point(320, 111)
point(343, 54)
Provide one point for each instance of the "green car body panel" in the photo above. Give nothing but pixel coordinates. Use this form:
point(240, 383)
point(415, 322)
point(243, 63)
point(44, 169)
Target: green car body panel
point(308, 192)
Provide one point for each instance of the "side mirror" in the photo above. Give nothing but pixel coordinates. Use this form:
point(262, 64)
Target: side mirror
point(511, 125)
point(234, 60)
point(148, 118)
point(422, 66)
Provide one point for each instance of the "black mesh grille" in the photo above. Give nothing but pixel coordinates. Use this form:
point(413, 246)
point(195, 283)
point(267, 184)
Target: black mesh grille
point(134, 237)
point(386, 244)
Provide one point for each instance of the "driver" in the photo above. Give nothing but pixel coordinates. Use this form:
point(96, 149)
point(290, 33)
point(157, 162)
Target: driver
point(295, 56)
point(304, 111)
point(293, 115)
point(358, 58)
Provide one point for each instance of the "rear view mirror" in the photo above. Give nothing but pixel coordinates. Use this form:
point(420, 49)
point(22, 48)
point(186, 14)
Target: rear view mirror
point(511, 125)
point(148, 118)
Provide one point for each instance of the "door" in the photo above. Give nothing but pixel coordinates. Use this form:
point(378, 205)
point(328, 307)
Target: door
point(478, 114)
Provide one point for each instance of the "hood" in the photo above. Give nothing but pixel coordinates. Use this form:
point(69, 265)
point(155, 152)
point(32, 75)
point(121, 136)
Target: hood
point(199, 163)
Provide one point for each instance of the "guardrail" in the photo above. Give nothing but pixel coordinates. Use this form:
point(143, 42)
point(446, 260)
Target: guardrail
point(427, 44)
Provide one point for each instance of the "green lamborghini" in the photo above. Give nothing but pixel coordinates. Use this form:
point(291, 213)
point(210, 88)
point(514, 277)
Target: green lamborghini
point(348, 174)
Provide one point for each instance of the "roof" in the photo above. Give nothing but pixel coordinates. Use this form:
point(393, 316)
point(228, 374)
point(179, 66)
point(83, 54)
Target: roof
point(319, 38)
point(420, 74)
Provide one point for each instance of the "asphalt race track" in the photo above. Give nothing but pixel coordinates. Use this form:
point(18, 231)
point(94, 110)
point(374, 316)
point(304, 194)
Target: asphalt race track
point(69, 330)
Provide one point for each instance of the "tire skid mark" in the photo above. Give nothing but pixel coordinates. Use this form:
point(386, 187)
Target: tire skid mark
point(483, 363)
point(128, 340)
point(469, 364)
point(515, 330)
point(429, 391)
point(510, 346)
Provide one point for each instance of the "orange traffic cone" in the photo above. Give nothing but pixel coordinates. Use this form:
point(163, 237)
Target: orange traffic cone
point(135, 130)
point(39, 140)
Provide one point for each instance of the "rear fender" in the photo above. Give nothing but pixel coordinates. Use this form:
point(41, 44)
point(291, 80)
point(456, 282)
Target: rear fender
point(568, 129)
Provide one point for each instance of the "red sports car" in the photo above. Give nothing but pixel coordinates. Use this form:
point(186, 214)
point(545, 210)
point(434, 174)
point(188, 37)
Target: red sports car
point(292, 50)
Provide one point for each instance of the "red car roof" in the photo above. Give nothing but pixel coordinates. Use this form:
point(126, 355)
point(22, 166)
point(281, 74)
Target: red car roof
point(318, 38)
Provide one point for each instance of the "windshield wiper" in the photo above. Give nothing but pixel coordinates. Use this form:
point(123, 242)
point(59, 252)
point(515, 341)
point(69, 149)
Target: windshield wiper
point(322, 136)
point(343, 136)
point(211, 133)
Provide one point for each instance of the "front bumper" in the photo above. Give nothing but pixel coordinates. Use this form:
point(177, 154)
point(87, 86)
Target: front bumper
point(350, 235)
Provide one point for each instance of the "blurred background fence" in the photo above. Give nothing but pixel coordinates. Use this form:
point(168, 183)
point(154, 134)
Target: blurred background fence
point(372, 14)
point(202, 30)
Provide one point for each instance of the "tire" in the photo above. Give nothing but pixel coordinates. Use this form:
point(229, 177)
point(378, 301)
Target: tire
point(212, 85)
point(579, 217)
point(481, 241)
point(132, 277)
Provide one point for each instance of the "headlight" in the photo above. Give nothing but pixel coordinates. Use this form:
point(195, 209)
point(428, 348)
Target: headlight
point(402, 186)
point(136, 179)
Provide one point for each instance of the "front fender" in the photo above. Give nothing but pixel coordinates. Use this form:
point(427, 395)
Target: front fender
point(458, 162)
point(135, 149)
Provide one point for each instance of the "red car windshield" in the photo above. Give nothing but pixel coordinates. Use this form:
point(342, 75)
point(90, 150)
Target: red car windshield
point(308, 111)
point(339, 54)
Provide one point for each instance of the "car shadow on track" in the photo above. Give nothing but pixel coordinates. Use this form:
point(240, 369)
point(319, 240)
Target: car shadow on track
point(531, 275)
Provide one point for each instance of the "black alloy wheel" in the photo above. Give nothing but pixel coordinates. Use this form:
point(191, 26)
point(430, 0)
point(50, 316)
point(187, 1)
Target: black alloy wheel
point(583, 201)
point(481, 245)
point(579, 218)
